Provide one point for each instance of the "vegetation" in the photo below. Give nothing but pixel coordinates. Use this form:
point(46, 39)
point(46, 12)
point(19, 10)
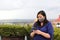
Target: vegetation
point(18, 30)
point(56, 33)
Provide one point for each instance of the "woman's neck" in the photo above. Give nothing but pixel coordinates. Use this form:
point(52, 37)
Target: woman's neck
point(41, 23)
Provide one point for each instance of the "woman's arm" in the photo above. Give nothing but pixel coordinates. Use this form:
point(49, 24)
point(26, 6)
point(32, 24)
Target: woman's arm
point(32, 34)
point(46, 35)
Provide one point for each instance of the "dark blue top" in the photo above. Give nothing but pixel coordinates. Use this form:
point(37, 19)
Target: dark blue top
point(47, 29)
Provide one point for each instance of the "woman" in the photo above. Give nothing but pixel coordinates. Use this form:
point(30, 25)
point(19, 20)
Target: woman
point(42, 28)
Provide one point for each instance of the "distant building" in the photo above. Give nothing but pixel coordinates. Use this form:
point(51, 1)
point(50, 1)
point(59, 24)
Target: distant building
point(57, 21)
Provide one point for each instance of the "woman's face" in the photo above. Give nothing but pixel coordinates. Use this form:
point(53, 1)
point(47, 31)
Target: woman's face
point(41, 17)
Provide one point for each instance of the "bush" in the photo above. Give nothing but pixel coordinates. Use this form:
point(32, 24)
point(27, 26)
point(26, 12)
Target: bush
point(12, 30)
point(18, 30)
point(56, 33)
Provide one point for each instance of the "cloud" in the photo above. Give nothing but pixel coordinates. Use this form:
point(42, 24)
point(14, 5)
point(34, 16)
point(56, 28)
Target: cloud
point(17, 4)
point(10, 4)
point(28, 9)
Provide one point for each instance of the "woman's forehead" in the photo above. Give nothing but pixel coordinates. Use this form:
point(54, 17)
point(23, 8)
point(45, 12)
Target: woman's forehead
point(40, 15)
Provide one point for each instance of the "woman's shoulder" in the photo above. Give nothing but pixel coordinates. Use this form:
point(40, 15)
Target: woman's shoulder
point(49, 23)
point(35, 24)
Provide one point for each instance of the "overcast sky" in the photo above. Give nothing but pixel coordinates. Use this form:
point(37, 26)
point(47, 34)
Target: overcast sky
point(28, 9)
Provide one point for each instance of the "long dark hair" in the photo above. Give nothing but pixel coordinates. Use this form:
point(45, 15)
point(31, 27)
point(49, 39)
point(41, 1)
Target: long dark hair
point(45, 20)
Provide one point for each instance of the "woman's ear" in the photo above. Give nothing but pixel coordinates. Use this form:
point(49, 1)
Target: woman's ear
point(36, 20)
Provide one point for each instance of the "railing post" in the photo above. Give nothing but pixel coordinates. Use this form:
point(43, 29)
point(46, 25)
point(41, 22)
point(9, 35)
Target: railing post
point(0, 37)
point(25, 37)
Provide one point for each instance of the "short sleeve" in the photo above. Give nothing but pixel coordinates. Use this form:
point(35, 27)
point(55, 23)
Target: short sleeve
point(50, 30)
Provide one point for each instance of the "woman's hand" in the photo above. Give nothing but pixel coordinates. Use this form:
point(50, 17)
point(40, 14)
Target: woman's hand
point(42, 33)
point(33, 33)
point(38, 32)
point(36, 20)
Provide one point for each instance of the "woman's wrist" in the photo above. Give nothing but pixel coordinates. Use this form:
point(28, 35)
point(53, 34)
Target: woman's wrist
point(32, 34)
